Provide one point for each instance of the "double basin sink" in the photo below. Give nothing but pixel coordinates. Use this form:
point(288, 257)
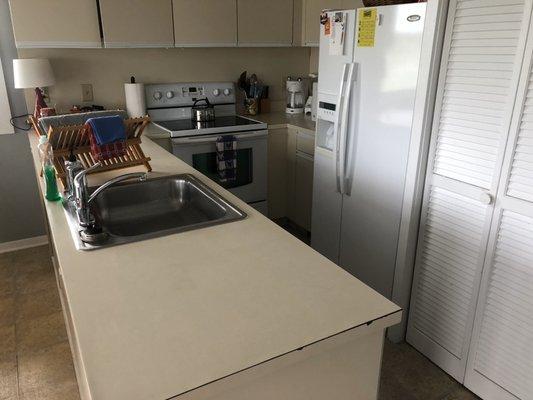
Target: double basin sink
point(140, 210)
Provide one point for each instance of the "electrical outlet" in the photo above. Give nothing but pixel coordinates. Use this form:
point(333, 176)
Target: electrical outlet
point(86, 92)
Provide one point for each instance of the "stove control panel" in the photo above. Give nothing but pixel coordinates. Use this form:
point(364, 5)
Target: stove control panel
point(184, 94)
point(192, 91)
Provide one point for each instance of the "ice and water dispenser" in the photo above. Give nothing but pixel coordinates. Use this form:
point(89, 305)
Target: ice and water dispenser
point(325, 128)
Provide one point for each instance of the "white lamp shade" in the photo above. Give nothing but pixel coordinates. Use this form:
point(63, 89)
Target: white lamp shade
point(32, 73)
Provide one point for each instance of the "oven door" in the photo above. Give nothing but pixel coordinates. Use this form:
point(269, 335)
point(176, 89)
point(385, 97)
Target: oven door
point(251, 178)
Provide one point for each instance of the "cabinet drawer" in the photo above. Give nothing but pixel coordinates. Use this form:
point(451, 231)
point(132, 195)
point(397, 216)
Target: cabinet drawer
point(305, 143)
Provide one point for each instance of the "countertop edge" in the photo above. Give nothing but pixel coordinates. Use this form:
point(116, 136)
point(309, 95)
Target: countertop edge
point(383, 322)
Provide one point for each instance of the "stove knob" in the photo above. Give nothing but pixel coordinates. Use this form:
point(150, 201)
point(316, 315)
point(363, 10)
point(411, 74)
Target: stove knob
point(170, 94)
point(227, 92)
point(216, 92)
point(157, 95)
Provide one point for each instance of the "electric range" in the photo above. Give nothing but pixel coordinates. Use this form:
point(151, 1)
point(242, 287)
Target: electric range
point(169, 106)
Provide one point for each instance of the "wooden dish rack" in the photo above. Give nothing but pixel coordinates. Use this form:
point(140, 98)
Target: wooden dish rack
point(74, 138)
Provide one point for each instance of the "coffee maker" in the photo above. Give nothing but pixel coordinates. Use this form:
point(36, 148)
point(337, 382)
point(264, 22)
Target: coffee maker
point(296, 93)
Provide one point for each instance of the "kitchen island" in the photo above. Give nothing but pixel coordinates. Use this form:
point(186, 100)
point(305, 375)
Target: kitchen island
point(235, 311)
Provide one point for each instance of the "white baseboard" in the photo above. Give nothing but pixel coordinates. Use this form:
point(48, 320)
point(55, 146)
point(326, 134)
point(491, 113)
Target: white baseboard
point(23, 243)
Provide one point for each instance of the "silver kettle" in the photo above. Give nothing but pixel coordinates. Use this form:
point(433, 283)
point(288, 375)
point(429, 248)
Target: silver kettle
point(202, 112)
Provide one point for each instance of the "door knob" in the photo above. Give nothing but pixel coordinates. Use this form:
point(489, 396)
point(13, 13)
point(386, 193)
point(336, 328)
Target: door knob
point(486, 198)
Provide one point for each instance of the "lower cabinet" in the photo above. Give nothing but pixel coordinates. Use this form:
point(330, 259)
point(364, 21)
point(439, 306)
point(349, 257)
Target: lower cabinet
point(302, 198)
point(277, 173)
point(344, 366)
point(290, 175)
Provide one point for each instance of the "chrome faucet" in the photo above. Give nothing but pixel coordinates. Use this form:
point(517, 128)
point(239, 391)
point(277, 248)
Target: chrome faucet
point(81, 198)
point(72, 167)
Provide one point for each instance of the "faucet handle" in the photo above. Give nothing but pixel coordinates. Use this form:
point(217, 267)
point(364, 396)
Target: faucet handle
point(96, 165)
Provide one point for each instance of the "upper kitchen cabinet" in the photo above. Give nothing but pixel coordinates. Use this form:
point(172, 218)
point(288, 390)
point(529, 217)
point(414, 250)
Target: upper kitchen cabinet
point(265, 23)
point(137, 23)
point(311, 16)
point(351, 4)
point(61, 23)
point(205, 23)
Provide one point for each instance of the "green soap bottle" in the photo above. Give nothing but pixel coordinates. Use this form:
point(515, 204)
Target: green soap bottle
point(49, 172)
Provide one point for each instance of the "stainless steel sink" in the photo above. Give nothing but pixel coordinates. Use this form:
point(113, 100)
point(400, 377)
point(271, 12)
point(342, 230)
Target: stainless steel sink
point(136, 211)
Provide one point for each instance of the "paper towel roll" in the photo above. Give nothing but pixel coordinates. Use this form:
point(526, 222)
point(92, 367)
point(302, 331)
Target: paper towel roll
point(135, 101)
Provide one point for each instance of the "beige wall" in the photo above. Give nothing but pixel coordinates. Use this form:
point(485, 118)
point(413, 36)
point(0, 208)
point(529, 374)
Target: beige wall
point(108, 69)
point(20, 209)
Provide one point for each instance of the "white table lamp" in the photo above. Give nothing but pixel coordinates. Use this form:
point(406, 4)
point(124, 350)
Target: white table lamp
point(34, 73)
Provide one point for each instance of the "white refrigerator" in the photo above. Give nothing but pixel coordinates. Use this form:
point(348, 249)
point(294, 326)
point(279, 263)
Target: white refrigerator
point(368, 69)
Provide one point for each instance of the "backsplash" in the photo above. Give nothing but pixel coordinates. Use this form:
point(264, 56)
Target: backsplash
point(108, 69)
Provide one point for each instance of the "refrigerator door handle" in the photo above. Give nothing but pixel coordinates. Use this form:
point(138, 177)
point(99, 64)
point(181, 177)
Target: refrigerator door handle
point(344, 129)
point(350, 163)
point(338, 127)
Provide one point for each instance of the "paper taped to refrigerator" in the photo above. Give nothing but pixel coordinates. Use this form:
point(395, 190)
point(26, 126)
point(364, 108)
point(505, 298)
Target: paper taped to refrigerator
point(366, 30)
point(336, 39)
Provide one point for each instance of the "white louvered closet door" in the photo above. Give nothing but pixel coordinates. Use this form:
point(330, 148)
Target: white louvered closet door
point(500, 363)
point(482, 54)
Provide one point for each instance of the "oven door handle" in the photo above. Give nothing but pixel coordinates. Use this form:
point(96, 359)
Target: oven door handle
point(214, 138)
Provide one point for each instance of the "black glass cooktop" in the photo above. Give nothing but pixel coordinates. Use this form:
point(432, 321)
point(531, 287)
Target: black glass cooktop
point(219, 122)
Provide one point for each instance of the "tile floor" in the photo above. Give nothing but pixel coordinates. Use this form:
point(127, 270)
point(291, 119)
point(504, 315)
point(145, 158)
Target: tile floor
point(36, 364)
point(35, 358)
point(408, 375)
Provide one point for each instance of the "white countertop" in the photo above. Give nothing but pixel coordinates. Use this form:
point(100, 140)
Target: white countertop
point(281, 119)
point(274, 120)
point(157, 318)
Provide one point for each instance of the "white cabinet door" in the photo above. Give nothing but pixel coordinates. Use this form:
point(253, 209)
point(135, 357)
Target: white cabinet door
point(205, 23)
point(482, 54)
point(500, 363)
point(311, 17)
point(303, 190)
point(137, 23)
point(292, 135)
point(277, 173)
point(300, 163)
point(265, 23)
point(61, 23)
point(351, 4)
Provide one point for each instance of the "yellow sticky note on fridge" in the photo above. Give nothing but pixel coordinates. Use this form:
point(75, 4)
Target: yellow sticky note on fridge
point(367, 27)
